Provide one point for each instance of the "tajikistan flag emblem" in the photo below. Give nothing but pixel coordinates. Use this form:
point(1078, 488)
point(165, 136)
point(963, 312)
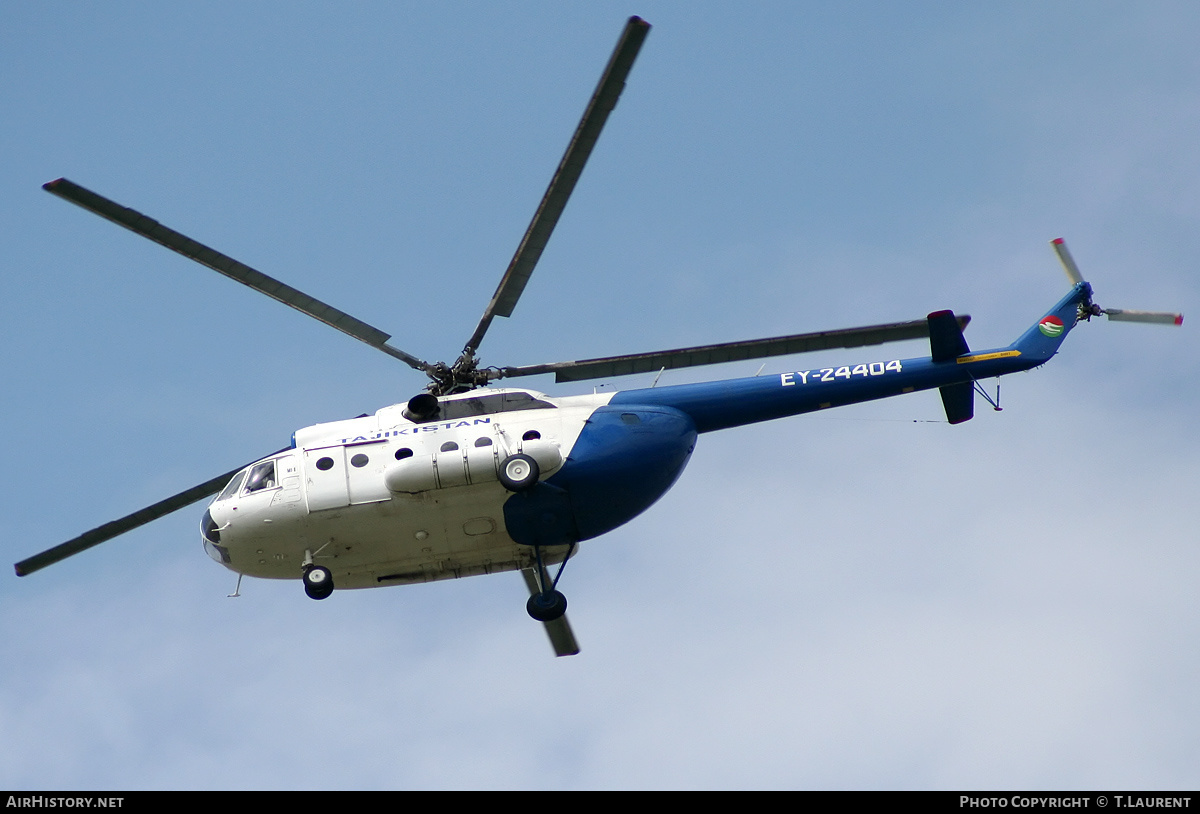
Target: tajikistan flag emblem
point(1051, 326)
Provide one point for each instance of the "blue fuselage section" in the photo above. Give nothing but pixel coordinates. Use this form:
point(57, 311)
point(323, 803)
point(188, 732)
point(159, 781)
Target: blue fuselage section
point(632, 450)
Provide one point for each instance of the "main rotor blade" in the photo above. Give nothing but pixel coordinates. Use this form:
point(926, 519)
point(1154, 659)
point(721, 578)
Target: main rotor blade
point(147, 227)
point(1156, 317)
point(729, 351)
point(141, 517)
point(603, 100)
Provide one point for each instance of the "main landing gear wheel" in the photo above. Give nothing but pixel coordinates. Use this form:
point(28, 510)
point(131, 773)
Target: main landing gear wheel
point(546, 607)
point(519, 473)
point(318, 582)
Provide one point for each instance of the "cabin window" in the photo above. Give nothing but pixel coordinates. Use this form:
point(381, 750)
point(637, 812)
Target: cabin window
point(325, 464)
point(531, 435)
point(261, 477)
point(359, 460)
point(449, 446)
point(402, 453)
point(483, 442)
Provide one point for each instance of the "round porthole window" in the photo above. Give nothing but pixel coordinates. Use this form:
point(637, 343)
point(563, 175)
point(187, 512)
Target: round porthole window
point(325, 464)
point(531, 435)
point(402, 453)
point(359, 460)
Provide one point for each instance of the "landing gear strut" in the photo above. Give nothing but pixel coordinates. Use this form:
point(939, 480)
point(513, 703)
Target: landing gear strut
point(548, 603)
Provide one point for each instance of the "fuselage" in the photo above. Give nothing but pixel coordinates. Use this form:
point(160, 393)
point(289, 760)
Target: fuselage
point(393, 498)
point(330, 493)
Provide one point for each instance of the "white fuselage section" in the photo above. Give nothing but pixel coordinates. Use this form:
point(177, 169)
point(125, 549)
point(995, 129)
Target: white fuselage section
point(385, 500)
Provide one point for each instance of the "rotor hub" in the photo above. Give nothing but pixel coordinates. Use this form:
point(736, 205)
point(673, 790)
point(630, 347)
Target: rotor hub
point(460, 377)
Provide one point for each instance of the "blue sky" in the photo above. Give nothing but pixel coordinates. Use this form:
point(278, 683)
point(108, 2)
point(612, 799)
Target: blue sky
point(858, 599)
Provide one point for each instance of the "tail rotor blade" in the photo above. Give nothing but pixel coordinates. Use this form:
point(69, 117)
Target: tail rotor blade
point(1155, 317)
point(1068, 262)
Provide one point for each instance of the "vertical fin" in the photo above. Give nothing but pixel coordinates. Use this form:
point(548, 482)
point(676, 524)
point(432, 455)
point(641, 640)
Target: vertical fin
point(1043, 338)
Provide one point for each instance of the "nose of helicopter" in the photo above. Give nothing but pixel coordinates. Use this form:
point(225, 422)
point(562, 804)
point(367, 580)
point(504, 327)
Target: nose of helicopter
point(210, 531)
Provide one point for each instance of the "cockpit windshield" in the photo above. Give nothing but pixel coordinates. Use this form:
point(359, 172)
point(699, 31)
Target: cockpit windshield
point(233, 487)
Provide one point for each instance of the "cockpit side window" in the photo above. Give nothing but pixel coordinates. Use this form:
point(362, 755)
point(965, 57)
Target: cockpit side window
point(262, 476)
point(233, 487)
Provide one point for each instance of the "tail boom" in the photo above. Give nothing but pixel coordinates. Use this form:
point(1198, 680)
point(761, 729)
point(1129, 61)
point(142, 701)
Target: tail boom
point(734, 402)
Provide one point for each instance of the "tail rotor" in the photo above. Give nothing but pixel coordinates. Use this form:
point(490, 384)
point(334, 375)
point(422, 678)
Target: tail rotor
point(1089, 309)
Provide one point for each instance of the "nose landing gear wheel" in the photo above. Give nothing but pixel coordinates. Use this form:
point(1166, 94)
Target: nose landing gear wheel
point(546, 607)
point(318, 582)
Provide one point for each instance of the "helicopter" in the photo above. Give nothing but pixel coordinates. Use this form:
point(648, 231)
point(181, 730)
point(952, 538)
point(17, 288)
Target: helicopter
point(469, 478)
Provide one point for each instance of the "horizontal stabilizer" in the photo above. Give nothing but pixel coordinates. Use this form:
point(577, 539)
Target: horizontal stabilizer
point(959, 401)
point(946, 340)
